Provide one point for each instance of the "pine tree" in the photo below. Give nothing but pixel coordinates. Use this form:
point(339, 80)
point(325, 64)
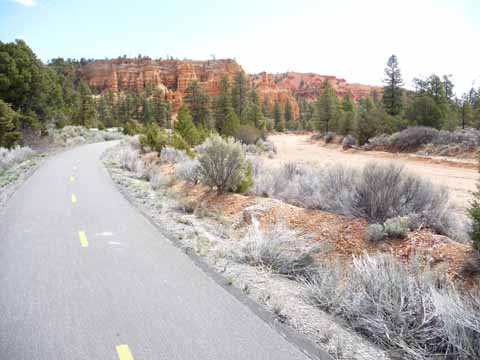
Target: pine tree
point(8, 135)
point(185, 126)
point(104, 112)
point(278, 117)
point(239, 93)
point(223, 107)
point(198, 103)
point(232, 124)
point(392, 91)
point(474, 214)
point(288, 114)
point(147, 111)
point(366, 125)
point(327, 110)
point(347, 103)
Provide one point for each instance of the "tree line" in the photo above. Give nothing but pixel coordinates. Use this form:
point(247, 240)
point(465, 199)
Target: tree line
point(432, 103)
point(33, 94)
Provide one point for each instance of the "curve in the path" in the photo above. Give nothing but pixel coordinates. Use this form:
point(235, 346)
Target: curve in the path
point(84, 276)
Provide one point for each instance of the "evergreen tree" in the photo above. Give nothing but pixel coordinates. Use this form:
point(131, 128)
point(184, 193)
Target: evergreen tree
point(474, 214)
point(161, 109)
point(392, 91)
point(366, 125)
point(278, 117)
point(239, 93)
point(232, 124)
point(87, 112)
point(8, 135)
point(198, 103)
point(223, 106)
point(147, 110)
point(266, 109)
point(347, 123)
point(104, 112)
point(327, 110)
point(288, 115)
point(424, 111)
point(347, 103)
point(185, 126)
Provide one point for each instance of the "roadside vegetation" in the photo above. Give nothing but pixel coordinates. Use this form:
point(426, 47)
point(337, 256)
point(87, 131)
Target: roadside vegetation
point(408, 307)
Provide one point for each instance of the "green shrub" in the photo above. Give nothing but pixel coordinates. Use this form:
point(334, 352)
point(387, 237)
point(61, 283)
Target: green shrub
point(133, 127)
point(222, 164)
point(397, 227)
point(179, 143)
point(153, 138)
point(247, 181)
point(186, 128)
point(474, 214)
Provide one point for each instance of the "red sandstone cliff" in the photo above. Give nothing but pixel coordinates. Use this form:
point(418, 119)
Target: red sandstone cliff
point(173, 77)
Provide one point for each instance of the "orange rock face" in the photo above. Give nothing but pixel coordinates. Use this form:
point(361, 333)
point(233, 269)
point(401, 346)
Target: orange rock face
point(173, 77)
point(170, 76)
point(310, 85)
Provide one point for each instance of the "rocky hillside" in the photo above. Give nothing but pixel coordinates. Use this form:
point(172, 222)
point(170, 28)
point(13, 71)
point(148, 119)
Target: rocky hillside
point(173, 77)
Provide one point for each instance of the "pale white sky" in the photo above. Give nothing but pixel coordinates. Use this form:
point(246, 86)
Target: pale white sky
point(351, 39)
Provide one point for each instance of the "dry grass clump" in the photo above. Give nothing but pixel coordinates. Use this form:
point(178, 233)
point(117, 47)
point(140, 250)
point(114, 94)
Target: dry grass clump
point(377, 193)
point(412, 312)
point(16, 155)
point(276, 249)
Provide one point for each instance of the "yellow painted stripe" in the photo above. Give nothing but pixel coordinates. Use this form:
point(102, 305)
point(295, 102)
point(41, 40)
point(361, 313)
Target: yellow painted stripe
point(74, 199)
point(124, 353)
point(72, 178)
point(83, 238)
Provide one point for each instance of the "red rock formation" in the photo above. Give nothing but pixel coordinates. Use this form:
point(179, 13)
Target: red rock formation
point(269, 91)
point(310, 85)
point(173, 77)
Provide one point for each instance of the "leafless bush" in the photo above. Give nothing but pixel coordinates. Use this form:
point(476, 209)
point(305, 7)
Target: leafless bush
point(348, 142)
point(173, 156)
point(16, 155)
point(130, 160)
point(417, 137)
point(412, 138)
point(275, 249)
point(158, 179)
point(329, 136)
point(411, 312)
point(375, 233)
point(460, 315)
point(188, 171)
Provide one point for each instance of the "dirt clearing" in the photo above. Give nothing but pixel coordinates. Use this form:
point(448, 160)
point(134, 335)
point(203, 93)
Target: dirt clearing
point(459, 176)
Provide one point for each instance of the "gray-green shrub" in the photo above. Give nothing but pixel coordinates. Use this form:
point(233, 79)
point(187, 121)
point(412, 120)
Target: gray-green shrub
point(377, 192)
point(222, 163)
point(412, 312)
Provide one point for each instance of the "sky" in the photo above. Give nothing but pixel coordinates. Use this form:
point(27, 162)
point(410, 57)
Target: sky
point(350, 39)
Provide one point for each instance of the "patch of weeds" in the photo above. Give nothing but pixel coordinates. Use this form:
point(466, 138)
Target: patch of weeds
point(230, 280)
point(203, 245)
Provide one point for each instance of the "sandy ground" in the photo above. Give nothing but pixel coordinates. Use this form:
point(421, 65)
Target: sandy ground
point(459, 177)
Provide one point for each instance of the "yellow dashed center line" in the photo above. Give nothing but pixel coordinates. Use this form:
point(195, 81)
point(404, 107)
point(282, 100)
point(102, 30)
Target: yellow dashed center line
point(72, 178)
point(124, 353)
point(74, 199)
point(83, 238)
